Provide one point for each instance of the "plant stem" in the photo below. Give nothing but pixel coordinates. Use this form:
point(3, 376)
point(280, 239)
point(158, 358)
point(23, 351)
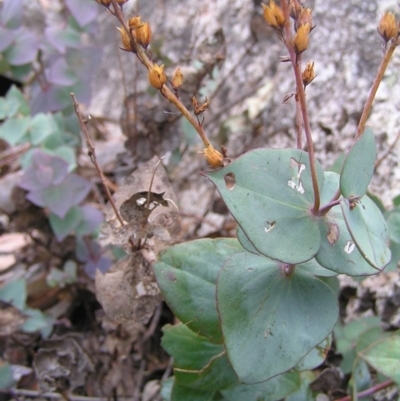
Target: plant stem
point(368, 392)
point(303, 105)
point(368, 104)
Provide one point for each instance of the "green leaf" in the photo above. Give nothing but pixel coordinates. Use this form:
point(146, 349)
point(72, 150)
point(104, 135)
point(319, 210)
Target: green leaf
point(359, 166)
point(16, 102)
point(14, 130)
point(38, 322)
point(337, 251)
point(180, 393)
point(276, 388)
point(269, 320)
point(186, 274)
point(14, 292)
point(393, 221)
point(384, 356)
point(42, 126)
point(304, 392)
point(197, 362)
point(316, 357)
point(368, 230)
point(269, 193)
point(347, 336)
point(6, 376)
point(360, 377)
point(62, 227)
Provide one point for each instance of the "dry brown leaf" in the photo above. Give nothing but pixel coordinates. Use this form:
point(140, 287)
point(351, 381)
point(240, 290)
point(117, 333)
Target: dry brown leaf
point(128, 291)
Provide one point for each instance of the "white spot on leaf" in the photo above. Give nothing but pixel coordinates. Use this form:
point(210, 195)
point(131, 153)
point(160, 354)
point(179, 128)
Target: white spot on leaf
point(349, 247)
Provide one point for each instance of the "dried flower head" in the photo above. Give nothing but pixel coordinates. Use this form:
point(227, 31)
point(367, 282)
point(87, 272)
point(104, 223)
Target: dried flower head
point(273, 16)
point(126, 40)
point(199, 108)
point(214, 158)
point(308, 73)
point(388, 27)
point(301, 39)
point(105, 3)
point(177, 79)
point(143, 34)
point(157, 77)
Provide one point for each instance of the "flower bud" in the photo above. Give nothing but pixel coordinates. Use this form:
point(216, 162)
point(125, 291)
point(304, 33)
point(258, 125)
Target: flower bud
point(214, 158)
point(388, 27)
point(308, 74)
point(143, 34)
point(157, 77)
point(126, 40)
point(273, 15)
point(301, 39)
point(177, 79)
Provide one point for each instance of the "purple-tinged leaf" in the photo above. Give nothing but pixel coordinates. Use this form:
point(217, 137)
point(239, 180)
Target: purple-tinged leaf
point(86, 249)
point(44, 171)
point(60, 73)
point(61, 198)
point(61, 39)
point(63, 227)
point(6, 38)
point(102, 264)
point(11, 14)
point(49, 98)
point(90, 221)
point(84, 11)
point(24, 49)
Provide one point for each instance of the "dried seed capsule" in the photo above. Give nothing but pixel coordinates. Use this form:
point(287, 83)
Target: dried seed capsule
point(214, 158)
point(157, 77)
point(143, 34)
point(388, 26)
point(177, 79)
point(301, 39)
point(126, 40)
point(273, 15)
point(308, 73)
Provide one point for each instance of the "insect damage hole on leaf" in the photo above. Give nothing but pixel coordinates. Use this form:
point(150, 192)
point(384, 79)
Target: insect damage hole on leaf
point(230, 180)
point(349, 247)
point(295, 181)
point(333, 234)
point(269, 225)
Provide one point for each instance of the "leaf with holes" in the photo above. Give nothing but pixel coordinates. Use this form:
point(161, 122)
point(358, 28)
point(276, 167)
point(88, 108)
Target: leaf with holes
point(270, 194)
point(268, 319)
point(338, 251)
point(368, 230)
point(359, 166)
point(186, 274)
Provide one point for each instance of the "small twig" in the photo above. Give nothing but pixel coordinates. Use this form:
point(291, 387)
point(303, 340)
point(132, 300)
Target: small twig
point(93, 158)
point(325, 208)
point(368, 392)
point(386, 153)
point(368, 104)
point(139, 380)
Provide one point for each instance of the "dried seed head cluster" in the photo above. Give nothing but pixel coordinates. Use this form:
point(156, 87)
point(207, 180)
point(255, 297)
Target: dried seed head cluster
point(388, 27)
point(273, 16)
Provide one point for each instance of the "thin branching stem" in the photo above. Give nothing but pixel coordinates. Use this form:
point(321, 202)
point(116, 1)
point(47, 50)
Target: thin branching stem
point(93, 158)
point(303, 105)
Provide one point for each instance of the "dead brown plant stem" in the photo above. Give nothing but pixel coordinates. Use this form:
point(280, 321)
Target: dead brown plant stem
point(368, 104)
point(388, 150)
point(368, 392)
point(166, 92)
point(303, 104)
point(93, 158)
